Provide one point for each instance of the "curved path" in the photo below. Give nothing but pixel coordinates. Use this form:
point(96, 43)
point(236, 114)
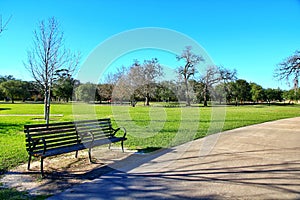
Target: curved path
point(255, 162)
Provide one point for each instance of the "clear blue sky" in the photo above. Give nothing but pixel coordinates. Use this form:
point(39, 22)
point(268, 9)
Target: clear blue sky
point(250, 36)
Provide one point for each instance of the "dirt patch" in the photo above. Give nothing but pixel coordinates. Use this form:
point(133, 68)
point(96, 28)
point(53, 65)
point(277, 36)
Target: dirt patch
point(63, 171)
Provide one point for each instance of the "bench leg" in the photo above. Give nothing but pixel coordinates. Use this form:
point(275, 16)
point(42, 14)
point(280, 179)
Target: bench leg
point(42, 166)
point(90, 155)
point(109, 145)
point(29, 160)
point(76, 154)
point(122, 144)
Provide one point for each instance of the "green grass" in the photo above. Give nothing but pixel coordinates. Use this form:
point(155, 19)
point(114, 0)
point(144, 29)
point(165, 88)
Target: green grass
point(148, 127)
point(13, 194)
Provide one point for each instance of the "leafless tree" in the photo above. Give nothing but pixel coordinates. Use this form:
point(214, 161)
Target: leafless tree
point(211, 77)
point(146, 75)
point(289, 68)
point(137, 81)
point(119, 82)
point(214, 75)
point(48, 56)
point(189, 69)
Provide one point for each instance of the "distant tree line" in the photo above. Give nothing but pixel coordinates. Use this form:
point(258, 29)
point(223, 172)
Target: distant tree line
point(234, 92)
point(238, 92)
point(12, 89)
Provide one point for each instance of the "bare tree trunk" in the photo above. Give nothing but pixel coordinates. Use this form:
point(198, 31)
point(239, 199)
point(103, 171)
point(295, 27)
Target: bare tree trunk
point(47, 105)
point(205, 97)
point(205, 93)
point(147, 101)
point(187, 96)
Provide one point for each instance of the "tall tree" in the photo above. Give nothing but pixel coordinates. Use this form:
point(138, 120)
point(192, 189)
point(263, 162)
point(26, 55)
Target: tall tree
point(105, 91)
point(47, 56)
point(241, 90)
point(148, 72)
point(214, 75)
point(276, 95)
point(138, 81)
point(12, 89)
point(290, 95)
point(63, 85)
point(189, 69)
point(166, 91)
point(211, 77)
point(2, 80)
point(118, 81)
point(289, 69)
point(86, 92)
point(257, 92)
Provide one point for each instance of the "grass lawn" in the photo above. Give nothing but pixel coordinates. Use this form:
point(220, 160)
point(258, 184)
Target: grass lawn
point(147, 127)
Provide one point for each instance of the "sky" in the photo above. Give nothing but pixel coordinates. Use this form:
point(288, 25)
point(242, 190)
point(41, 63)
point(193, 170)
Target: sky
point(249, 36)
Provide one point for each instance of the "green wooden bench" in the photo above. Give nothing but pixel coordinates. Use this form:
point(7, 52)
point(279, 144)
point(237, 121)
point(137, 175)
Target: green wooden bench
point(45, 140)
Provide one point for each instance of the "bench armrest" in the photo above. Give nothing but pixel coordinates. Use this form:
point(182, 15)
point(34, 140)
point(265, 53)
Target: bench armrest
point(33, 142)
point(89, 133)
point(121, 128)
point(45, 145)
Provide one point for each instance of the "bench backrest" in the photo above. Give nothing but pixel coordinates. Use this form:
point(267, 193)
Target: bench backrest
point(100, 128)
point(55, 134)
point(66, 133)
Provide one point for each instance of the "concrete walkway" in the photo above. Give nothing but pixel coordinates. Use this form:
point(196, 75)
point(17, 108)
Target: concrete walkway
point(255, 162)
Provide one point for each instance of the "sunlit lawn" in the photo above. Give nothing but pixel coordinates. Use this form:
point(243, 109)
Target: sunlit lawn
point(147, 127)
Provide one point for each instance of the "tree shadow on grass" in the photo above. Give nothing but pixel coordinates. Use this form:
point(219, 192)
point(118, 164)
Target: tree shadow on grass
point(5, 109)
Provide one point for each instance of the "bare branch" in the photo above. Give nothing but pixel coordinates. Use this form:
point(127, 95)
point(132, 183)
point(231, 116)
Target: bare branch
point(48, 56)
point(289, 68)
point(3, 26)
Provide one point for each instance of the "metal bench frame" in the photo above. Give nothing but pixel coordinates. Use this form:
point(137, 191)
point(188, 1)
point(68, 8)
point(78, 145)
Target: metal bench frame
point(45, 140)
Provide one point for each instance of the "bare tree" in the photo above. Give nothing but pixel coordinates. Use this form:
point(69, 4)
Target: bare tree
point(189, 69)
point(211, 77)
point(214, 75)
point(48, 56)
point(138, 81)
point(289, 68)
point(146, 75)
point(119, 82)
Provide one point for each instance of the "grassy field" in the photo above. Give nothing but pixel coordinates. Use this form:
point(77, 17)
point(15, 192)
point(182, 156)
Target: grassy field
point(147, 127)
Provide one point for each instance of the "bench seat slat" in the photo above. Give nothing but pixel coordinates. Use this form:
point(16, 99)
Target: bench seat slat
point(60, 150)
point(107, 141)
point(56, 145)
